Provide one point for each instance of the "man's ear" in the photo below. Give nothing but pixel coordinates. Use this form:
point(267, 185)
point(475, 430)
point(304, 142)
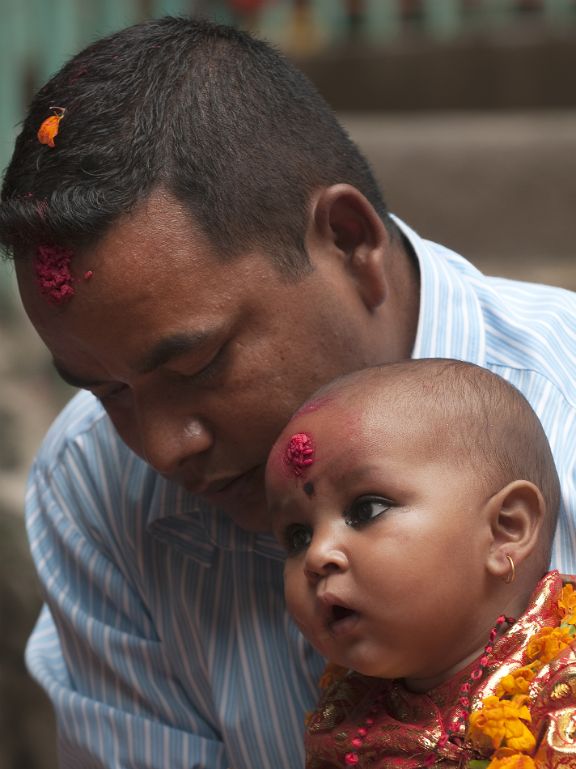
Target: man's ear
point(516, 513)
point(345, 222)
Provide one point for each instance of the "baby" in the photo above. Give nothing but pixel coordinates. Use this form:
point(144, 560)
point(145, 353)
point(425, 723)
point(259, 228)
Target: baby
point(417, 504)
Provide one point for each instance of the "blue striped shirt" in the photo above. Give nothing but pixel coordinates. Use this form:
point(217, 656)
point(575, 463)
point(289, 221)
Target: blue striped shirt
point(164, 643)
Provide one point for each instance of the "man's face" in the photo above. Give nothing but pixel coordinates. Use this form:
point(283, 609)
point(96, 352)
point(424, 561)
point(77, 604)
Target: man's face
point(386, 542)
point(199, 363)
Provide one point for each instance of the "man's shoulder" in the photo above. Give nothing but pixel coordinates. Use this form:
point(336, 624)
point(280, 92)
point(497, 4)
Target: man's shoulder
point(510, 296)
point(85, 480)
point(532, 327)
point(81, 423)
point(551, 300)
point(524, 331)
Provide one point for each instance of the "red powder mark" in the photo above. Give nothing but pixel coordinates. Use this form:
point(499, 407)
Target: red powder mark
point(88, 274)
point(42, 209)
point(299, 453)
point(314, 404)
point(53, 273)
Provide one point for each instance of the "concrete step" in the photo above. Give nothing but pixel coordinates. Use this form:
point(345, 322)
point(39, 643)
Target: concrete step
point(498, 188)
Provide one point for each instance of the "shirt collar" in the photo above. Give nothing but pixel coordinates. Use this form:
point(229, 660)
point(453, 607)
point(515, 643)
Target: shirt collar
point(197, 528)
point(450, 322)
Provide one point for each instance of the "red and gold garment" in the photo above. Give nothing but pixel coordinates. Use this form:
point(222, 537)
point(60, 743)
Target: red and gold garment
point(376, 723)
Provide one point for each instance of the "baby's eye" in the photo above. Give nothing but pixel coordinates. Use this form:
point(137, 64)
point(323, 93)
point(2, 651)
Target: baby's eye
point(297, 537)
point(365, 509)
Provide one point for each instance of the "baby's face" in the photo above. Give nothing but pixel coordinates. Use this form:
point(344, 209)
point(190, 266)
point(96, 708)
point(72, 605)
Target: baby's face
point(385, 540)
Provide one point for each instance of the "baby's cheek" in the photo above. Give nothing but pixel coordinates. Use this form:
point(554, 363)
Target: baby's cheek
point(293, 590)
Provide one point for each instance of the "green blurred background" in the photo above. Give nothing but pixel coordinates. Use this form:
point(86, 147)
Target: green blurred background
point(467, 111)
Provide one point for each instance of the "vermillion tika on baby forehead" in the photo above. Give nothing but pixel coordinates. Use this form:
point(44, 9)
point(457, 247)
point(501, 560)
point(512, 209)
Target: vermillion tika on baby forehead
point(299, 454)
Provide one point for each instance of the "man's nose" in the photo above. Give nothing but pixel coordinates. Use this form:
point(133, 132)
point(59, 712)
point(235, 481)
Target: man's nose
point(168, 439)
point(325, 555)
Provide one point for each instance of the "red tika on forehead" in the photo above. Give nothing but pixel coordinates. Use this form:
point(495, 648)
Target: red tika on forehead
point(53, 273)
point(299, 453)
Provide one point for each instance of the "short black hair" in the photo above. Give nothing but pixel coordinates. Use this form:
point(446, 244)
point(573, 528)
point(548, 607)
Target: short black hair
point(219, 119)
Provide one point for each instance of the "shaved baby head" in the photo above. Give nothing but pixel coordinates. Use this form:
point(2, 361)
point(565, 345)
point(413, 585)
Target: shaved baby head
point(450, 407)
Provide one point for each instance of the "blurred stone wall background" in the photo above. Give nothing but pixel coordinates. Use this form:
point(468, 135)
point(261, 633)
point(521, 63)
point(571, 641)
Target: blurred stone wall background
point(470, 124)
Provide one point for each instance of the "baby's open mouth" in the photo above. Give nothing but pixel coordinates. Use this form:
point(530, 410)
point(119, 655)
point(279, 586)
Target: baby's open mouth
point(337, 617)
point(339, 612)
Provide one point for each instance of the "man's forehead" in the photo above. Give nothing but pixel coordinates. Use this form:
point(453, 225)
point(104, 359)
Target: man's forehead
point(144, 257)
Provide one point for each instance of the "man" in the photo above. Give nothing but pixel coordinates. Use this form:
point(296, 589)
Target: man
point(201, 246)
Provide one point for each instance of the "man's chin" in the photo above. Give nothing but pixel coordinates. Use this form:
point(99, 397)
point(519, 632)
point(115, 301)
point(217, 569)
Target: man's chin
point(250, 517)
point(245, 505)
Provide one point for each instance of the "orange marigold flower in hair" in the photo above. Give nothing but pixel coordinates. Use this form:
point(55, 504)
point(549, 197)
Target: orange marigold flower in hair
point(49, 128)
point(501, 723)
point(548, 643)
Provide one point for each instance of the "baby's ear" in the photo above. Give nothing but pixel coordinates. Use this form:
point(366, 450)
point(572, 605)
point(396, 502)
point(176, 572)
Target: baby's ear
point(516, 513)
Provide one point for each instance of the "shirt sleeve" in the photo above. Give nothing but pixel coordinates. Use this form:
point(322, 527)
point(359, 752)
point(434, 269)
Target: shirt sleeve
point(95, 649)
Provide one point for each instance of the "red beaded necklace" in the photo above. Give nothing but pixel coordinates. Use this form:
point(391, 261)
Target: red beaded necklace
point(454, 734)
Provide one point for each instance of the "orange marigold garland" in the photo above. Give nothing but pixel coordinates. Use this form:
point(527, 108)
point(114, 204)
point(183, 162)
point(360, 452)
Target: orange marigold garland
point(332, 673)
point(567, 606)
point(50, 127)
point(515, 761)
point(502, 723)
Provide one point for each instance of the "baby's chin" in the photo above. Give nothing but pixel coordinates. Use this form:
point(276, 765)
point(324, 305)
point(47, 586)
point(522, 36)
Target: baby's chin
point(414, 680)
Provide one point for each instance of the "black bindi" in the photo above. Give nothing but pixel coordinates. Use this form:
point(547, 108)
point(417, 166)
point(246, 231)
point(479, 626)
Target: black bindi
point(308, 489)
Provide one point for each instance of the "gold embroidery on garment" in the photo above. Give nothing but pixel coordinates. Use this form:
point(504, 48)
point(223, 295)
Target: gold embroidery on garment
point(562, 731)
point(326, 719)
point(560, 691)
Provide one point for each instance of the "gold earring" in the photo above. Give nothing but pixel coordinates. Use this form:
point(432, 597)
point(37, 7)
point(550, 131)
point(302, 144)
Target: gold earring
point(511, 576)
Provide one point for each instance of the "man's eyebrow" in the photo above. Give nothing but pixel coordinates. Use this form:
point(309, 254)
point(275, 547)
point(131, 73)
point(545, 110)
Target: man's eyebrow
point(170, 347)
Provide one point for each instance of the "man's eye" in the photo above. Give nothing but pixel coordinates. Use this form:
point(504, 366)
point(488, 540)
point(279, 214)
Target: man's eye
point(209, 370)
point(297, 537)
point(365, 509)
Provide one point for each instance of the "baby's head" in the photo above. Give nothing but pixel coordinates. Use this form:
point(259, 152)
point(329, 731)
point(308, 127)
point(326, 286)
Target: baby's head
point(417, 503)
